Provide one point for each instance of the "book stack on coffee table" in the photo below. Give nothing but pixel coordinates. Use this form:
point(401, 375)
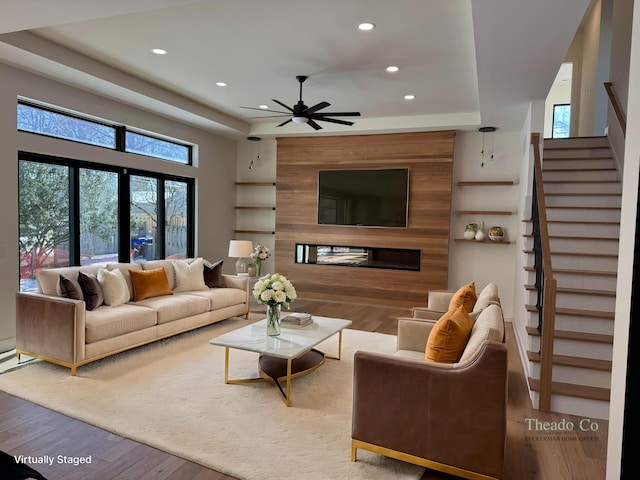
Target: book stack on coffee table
point(296, 320)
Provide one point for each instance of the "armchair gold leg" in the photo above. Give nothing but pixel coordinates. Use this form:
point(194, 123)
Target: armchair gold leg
point(354, 451)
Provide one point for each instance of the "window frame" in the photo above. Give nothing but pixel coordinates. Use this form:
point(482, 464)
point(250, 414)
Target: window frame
point(124, 202)
point(120, 132)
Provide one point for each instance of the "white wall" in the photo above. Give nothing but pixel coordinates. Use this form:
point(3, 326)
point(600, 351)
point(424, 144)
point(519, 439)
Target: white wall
point(264, 170)
point(619, 72)
point(214, 173)
point(625, 266)
point(559, 93)
point(485, 262)
point(589, 75)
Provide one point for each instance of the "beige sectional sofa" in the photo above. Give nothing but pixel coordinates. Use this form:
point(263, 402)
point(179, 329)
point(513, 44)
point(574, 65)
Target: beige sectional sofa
point(450, 417)
point(65, 331)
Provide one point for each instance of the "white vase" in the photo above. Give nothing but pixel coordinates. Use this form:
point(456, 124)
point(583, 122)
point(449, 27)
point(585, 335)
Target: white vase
point(480, 235)
point(469, 234)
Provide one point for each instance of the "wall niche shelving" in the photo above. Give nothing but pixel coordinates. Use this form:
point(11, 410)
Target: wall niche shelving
point(488, 212)
point(255, 202)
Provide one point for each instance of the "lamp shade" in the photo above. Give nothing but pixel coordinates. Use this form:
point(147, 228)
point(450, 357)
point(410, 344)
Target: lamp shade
point(240, 248)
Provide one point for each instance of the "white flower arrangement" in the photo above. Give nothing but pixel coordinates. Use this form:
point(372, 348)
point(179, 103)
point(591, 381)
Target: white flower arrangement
point(274, 289)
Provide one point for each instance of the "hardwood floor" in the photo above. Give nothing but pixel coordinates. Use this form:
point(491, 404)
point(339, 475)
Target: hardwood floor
point(29, 429)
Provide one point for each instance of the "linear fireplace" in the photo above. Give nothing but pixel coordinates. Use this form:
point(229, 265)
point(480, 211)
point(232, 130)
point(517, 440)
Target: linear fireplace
point(365, 257)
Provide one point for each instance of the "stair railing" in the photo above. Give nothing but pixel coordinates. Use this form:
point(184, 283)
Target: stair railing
point(613, 98)
point(545, 282)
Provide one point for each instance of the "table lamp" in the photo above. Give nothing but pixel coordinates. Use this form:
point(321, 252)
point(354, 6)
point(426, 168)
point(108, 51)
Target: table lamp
point(242, 250)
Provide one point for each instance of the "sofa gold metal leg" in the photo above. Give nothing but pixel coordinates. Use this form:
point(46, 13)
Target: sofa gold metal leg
point(354, 451)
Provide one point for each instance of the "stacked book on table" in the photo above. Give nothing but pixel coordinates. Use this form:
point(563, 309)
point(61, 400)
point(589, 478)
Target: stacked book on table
point(296, 320)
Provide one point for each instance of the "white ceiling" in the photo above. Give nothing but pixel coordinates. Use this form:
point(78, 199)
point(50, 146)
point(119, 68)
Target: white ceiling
point(469, 63)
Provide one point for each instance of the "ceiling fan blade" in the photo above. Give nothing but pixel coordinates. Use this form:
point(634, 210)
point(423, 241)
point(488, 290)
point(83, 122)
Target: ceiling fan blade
point(265, 110)
point(284, 123)
point(333, 120)
point(339, 114)
point(282, 104)
point(271, 116)
point(314, 124)
point(317, 107)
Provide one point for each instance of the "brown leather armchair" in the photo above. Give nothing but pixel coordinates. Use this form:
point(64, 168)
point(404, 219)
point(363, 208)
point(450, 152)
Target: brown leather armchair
point(449, 417)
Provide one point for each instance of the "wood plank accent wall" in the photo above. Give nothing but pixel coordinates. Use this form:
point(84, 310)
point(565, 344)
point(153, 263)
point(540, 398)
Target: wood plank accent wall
point(429, 157)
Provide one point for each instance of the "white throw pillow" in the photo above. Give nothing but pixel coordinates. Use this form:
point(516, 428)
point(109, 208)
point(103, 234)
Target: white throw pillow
point(189, 276)
point(114, 287)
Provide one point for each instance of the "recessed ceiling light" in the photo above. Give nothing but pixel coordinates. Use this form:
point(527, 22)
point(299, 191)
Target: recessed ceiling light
point(222, 84)
point(392, 69)
point(264, 107)
point(159, 51)
point(366, 26)
point(409, 97)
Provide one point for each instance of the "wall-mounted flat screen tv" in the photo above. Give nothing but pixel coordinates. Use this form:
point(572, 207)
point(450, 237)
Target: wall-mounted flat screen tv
point(372, 198)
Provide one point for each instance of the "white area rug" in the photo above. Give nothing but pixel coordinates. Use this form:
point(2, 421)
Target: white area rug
point(171, 395)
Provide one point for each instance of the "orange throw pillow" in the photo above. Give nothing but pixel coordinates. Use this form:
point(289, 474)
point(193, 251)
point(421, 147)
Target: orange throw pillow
point(449, 336)
point(466, 295)
point(149, 283)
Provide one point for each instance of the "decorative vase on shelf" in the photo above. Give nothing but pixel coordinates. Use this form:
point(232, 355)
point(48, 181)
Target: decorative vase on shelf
point(480, 236)
point(470, 231)
point(252, 270)
point(273, 320)
point(496, 234)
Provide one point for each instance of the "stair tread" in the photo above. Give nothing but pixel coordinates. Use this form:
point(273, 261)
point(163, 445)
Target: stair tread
point(579, 291)
point(577, 312)
point(582, 207)
point(590, 194)
point(588, 222)
point(578, 272)
point(573, 237)
point(570, 335)
point(548, 147)
point(571, 361)
point(581, 169)
point(573, 390)
point(580, 181)
point(581, 254)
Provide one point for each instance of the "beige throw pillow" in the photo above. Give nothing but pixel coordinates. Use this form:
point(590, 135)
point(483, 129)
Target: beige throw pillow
point(189, 276)
point(114, 287)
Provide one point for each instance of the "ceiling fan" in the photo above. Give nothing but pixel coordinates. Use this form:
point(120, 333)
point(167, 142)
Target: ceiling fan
point(300, 113)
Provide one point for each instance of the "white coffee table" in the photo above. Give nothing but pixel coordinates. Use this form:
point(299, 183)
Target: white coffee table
point(287, 356)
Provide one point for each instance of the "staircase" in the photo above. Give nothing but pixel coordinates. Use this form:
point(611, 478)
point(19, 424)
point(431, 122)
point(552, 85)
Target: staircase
point(583, 196)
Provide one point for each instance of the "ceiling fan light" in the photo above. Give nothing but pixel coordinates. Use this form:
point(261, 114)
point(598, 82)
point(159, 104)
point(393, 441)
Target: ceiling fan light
point(300, 119)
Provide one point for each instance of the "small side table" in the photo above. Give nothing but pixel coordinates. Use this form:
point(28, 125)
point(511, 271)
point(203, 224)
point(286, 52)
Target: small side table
point(254, 306)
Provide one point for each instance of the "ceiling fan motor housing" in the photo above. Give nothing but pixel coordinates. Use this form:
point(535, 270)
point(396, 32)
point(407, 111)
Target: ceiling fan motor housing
point(300, 113)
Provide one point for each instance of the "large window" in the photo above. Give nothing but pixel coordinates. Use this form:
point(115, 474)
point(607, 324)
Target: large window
point(561, 120)
point(144, 217)
point(55, 124)
point(154, 147)
point(44, 219)
point(98, 204)
point(45, 120)
point(77, 213)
